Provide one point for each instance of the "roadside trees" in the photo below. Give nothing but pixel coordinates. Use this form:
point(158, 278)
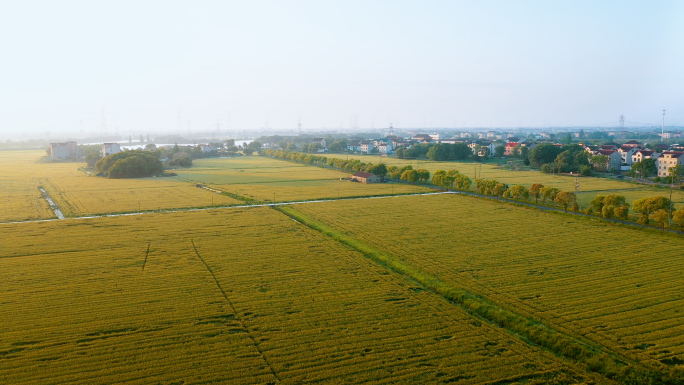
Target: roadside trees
point(410, 176)
point(661, 217)
point(565, 199)
point(678, 217)
point(549, 193)
point(517, 192)
point(647, 206)
point(535, 190)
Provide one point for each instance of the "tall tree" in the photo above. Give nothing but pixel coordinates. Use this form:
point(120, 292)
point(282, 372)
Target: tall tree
point(535, 190)
point(549, 193)
point(565, 199)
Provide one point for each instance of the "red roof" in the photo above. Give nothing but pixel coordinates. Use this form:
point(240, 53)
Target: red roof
point(512, 144)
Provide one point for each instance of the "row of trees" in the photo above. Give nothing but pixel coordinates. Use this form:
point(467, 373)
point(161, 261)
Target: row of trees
point(607, 206)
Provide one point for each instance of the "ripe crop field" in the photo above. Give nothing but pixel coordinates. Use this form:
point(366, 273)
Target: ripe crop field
point(617, 286)
point(589, 186)
point(79, 194)
point(231, 296)
point(19, 194)
point(260, 178)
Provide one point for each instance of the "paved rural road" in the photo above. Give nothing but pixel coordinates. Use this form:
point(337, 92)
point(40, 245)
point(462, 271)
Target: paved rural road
point(503, 200)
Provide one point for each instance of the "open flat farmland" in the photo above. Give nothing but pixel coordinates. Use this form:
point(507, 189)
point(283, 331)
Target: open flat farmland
point(617, 286)
point(589, 186)
point(260, 178)
point(19, 195)
point(231, 296)
point(79, 194)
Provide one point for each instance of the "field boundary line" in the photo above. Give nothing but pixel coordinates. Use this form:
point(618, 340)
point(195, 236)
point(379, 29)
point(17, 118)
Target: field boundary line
point(597, 357)
point(147, 253)
point(232, 307)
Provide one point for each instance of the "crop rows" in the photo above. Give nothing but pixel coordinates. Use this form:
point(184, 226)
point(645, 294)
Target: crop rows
point(275, 301)
point(616, 286)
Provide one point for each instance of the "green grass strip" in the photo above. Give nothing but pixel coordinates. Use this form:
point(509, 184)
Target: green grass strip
point(596, 358)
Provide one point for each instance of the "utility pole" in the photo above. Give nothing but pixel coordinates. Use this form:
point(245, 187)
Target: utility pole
point(662, 129)
point(577, 189)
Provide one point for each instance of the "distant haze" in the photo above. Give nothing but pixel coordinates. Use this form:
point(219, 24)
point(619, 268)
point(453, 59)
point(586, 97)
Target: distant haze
point(182, 66)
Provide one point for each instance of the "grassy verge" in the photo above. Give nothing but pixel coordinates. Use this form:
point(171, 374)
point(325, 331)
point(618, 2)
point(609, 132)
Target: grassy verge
point(596, 358)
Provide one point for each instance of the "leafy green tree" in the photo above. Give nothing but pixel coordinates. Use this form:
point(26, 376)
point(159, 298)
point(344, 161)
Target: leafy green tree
point(535, 190)
point(410, 176)
point(661, 217)
point(518, 192)
point(130, 164)
point(92, 159)
point(499, 151)
point(644, 169)
point(499, 189)
point(678, 217)
point(423, 175)
point(378, 169)
point(180, 160)
point(676, 173)
point(647, 206)
point(439, 178)
point(339, 145)
point(544, 153)
point(600, 162)
point(549, 193)
point(565, 199)
point(462, 182)
point(622, 212)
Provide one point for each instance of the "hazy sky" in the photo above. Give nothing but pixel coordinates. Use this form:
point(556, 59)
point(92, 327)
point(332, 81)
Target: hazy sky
point(158, 65)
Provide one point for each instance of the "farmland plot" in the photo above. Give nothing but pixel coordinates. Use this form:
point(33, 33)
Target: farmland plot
point(260, 178)
point(240, 296)
point(19, 195)
point(620, 287)
point(78, 194)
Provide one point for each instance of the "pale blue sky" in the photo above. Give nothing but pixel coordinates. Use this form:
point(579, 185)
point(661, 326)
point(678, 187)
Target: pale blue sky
point(337, 63)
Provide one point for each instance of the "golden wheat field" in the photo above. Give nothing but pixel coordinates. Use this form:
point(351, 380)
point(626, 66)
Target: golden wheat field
point(265, 179)
point(77, 193)
point(19, 195)
point(231, 296)
point(617, 286)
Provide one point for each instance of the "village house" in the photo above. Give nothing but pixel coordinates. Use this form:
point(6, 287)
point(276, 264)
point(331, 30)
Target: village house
point(669, 159)
point(110, 148)
point(320, 141)
point(614, 159)
point(367, 146)
point(65, 150)
point(206, 148)
point(632, 143)
point(492, 147)
point(626, 153)
point(365, 177)
point(509, 147)
point(422, 138)
point(354, 146)
point(640, 155)
point(384, 146)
